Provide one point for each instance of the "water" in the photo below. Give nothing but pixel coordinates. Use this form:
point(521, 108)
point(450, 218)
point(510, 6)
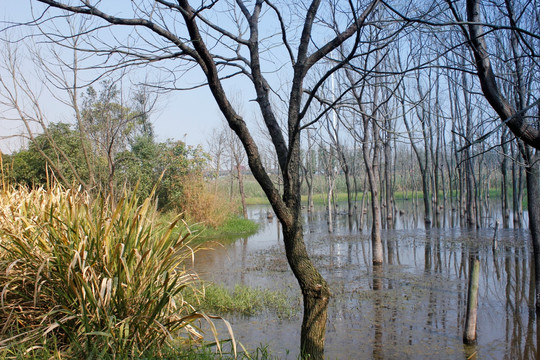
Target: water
point(411, 308)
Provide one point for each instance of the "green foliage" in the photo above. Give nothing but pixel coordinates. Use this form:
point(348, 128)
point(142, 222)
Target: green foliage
point(239, 226)
point(91, 280)
point(49, 352)
point(25, 167)
point(181, 163)
point(108, 121)
point(209, 353)
point(139, 168)
point(28, 167)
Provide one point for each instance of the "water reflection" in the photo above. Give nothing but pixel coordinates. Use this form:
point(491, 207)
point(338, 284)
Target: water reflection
point(413, 306)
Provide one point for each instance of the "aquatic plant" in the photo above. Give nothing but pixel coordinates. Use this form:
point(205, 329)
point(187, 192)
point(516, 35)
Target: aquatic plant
point(248, 301)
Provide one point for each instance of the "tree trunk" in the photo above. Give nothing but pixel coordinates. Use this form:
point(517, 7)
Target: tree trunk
point(329, 196)
point(362, 207)
point(469, 162)
point(388, 181)
point(504, 180)
point(350, 206)
point(469, 333)
point(315, 291)
point(308, 171)
point(426, 197)
point(110, 179)
point(423, 166)
point(309, 182)
point(241, 189)
point(533, 200)
point(372, 169)
point(231, 184)
point(378, 346)
point(216, 174)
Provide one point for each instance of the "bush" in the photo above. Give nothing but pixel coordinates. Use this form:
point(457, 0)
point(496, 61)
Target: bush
point(93, 279)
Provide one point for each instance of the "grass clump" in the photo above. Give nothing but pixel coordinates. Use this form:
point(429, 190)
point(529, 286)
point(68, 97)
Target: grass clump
point(247, 301)
point(233, 228)
point(239, 226)
point(87, 279)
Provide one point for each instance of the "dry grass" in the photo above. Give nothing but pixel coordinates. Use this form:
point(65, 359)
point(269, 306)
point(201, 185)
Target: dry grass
point(203, 205)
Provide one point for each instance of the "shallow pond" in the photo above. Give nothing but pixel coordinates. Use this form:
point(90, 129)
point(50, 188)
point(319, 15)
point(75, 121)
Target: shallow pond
point(411, 308)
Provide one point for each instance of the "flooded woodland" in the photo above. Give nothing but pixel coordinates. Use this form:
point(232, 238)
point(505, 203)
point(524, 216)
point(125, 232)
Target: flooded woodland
point(207, 105)
point(411, 307)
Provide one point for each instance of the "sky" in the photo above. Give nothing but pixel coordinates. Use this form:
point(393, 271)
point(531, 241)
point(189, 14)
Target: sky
point(187, 115)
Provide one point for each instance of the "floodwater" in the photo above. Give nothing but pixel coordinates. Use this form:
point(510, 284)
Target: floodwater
point(413, 307)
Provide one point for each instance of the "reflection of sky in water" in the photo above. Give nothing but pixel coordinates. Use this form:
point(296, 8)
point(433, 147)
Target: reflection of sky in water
point(418, 307)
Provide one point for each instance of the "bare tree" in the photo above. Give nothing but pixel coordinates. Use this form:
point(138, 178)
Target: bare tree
point(371, 145)
point(103, 125)
point(190, 37)
point(237, 157)
point(216, 149)
point(524, 127)
point(19, 95)
point(327, 159)
point(109, 120)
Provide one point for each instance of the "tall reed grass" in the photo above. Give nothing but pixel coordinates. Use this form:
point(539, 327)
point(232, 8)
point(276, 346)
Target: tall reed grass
point(202, 205)
point(91, 279)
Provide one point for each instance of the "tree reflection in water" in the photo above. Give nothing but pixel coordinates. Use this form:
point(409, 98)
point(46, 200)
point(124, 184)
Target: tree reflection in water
point(413, 306)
